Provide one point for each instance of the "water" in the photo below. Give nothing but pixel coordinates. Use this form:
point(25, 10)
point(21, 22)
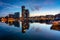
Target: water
point(36, 31)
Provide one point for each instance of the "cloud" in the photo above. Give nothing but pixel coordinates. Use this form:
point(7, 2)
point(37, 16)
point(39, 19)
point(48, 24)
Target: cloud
point(38, 7)
point(33, 4)
point(35, 7)
point(49, 2)
point(7, 6)
point(1, 3)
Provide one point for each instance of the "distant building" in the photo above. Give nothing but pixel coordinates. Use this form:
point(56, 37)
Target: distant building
point(16, 15)
point(11, 16)
point(57, 16)
point(0, 18)
point(49, 16)
point(6, 17)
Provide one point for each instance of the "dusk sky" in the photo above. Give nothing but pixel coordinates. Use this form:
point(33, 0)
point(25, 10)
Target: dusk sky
point(36, 7)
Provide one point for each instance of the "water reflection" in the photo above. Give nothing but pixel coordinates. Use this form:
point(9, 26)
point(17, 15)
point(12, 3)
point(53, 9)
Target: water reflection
point(25, 24)
point(53, 27)
point(56, 27)
point(15, 23)
point(41, 21)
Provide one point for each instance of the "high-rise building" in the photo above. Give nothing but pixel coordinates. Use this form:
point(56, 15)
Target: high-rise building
point(16, 15)
point(27, 13)
point(23, 11)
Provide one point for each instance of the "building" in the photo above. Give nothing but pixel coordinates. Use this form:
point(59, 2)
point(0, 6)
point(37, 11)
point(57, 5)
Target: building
point(17, 15)
point(0, 18)
point(49, 16)
point(23, 12)
point(11, 16)
point(6, 17)
point(26, 13)
point(57, 16)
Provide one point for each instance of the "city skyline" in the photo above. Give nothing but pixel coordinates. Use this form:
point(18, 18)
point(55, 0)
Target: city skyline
point(29, 19)
point(36, 7)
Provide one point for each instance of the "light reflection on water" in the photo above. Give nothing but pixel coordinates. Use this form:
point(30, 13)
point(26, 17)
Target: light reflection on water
point(36, 31)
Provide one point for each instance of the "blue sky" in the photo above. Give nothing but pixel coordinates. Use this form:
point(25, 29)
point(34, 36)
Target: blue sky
point(36, 7)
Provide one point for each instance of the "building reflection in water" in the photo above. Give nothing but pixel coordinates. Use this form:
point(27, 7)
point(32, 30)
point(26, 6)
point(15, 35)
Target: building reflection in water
point(15, 23)
point(56, 27)
point(25, 24)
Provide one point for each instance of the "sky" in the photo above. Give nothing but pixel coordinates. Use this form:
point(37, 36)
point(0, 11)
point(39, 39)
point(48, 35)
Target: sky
point(36, 7)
